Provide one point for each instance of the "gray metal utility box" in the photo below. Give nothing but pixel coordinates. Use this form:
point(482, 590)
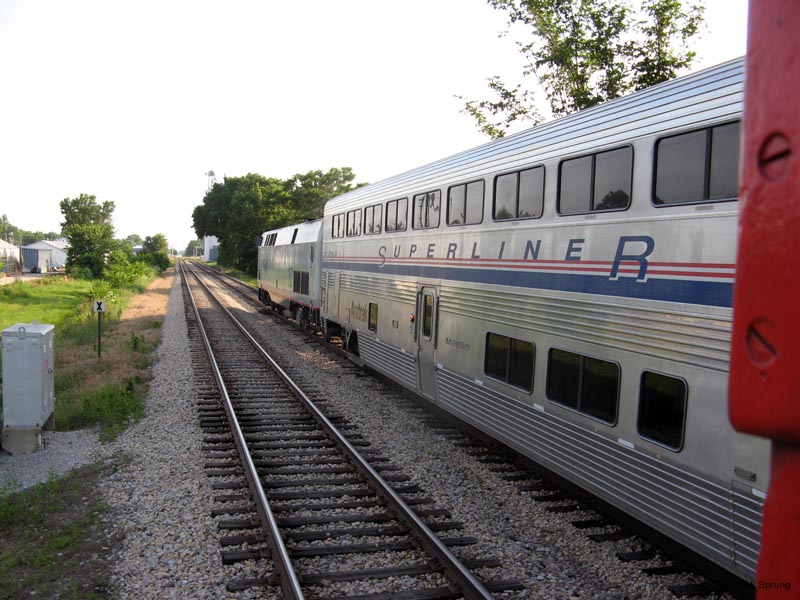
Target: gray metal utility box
point(28, 390)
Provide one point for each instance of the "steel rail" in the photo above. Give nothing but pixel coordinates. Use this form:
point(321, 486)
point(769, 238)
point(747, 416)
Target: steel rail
point(469, 585)
point(290, 584)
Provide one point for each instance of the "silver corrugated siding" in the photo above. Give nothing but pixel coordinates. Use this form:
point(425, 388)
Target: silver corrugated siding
point(675, 501)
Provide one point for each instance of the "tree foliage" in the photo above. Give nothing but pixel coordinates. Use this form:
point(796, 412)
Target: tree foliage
point(240, 209)
point(155, 251)
point(22, 237)
point(194, 248)
point(90, 231)
point(134, 239)
point(584, 52)
point(156, 243)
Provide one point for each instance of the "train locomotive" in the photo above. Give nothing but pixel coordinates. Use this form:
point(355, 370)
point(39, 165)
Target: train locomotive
point(568, 291)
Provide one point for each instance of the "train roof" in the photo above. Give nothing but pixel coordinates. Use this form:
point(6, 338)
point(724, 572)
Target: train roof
point(306, 232)
point(693, 100)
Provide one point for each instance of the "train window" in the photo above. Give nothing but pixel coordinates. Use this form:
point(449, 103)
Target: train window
point(698, 166)
point(662, 409)
point(586, 384)
point(724, 168)
point(373, 317)
point(519, 195)
point(509, 360)
point(396, 214)
point(465, 204)
point(427, 316)
point(531, 193)
point(427, 209)
point(353, 223)
point(373, 219)
point(338, 226)
point(596, 182)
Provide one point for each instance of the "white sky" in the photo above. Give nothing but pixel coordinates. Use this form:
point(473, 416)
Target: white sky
point(134, 101)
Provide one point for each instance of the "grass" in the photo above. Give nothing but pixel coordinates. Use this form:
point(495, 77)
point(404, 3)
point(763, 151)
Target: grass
point(106, 392)
point(54, 541)
point(57, 539)
point(51, 300)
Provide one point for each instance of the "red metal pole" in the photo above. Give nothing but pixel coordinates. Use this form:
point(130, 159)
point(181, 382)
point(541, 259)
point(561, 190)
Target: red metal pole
point(765, 352)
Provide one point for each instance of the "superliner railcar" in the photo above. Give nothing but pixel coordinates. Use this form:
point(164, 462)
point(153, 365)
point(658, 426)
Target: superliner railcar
point(568, 291)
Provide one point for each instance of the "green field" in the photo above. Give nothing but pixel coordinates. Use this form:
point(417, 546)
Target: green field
point(58, 539)
point(54, 300)
point(89, 391)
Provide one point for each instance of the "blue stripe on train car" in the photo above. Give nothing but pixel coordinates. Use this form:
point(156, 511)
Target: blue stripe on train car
point(706, 293)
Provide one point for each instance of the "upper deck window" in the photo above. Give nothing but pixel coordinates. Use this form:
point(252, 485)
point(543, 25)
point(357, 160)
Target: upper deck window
point(427, 210)
point(519, 195)
point(373, 219)
point(698, 166)
point(600, 181)
point(465, 203)
point(338, 226)
point(353, 223)
point(397, 215)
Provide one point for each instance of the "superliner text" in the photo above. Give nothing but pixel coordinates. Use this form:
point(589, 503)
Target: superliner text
point(630, 248)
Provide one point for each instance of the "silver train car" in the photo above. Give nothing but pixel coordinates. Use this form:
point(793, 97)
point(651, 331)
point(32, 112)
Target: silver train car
point(289, 268)
point(568, 291)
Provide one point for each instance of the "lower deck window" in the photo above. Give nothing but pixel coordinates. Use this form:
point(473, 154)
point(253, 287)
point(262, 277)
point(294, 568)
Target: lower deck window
point(509, 360)
point(586, 384)
point(662, 409)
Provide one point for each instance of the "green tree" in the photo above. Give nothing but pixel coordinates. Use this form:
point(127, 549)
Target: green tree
point(134, 240)
point(88, 227)
point(584, 52)
point(155, 251)
point(156, 243)
point(240, 209)
point(194, 248)
point(311, 190)
point(665, 23)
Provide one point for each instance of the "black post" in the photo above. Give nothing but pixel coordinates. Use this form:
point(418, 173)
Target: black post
point(99, 329)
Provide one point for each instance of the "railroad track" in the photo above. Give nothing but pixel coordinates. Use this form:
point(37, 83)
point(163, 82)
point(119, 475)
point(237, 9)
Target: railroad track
point(316, 508)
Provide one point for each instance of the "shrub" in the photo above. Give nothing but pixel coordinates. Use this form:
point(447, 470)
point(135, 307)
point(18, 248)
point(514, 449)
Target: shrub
point(159, 260)
point(80, 272)
point(121, 272)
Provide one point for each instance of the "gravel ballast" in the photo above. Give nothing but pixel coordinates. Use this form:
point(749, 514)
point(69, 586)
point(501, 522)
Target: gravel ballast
point(61, 451)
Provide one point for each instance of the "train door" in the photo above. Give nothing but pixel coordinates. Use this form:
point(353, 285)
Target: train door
point(427, 307)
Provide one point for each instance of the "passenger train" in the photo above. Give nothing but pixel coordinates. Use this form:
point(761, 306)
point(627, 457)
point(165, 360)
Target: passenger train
point(568, 291)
